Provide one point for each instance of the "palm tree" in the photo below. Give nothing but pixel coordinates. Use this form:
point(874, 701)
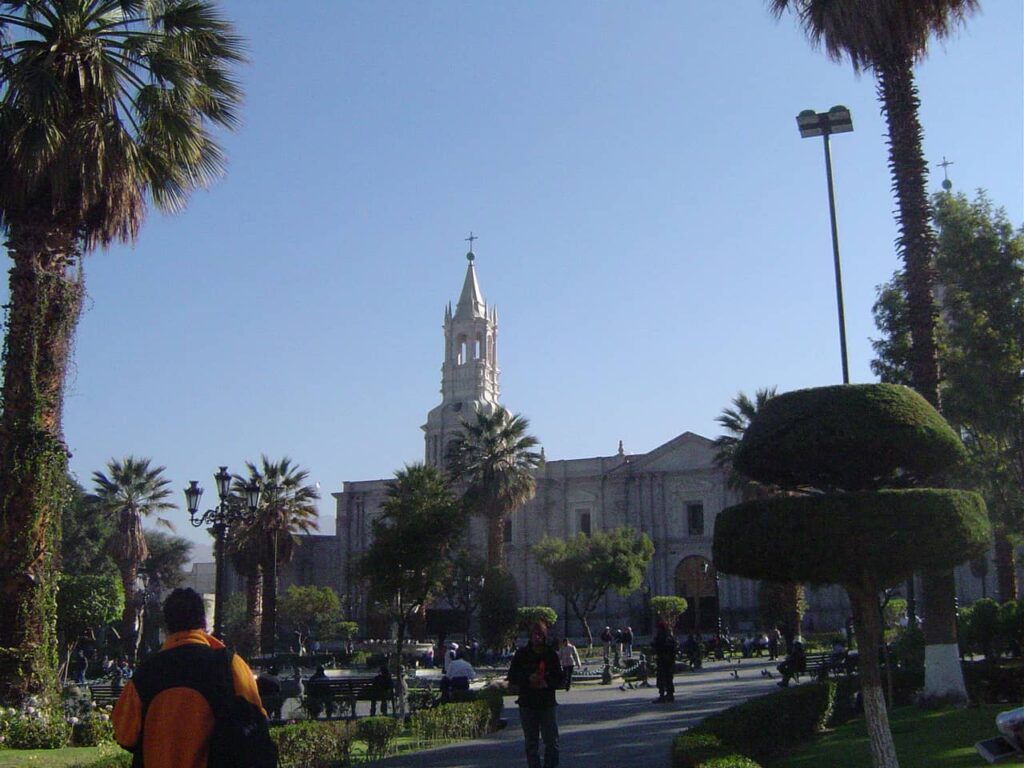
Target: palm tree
point(244, 549)
point(129, 491)
point(104, 105)
point(287, 508)
point(887, 37)
point(494, 456)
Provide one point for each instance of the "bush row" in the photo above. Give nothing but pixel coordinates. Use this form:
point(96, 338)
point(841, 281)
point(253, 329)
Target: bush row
point(991, 629)
point(451, 722)
point(757, 730)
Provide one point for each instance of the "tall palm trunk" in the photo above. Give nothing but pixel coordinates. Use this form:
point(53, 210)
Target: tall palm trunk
point(45, 301)
point(1006, 567)
point(268, 621)
point(254, 607)
point(917, 245)
point(496, 541)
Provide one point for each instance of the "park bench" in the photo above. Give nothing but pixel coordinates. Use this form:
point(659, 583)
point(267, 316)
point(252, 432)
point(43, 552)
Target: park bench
point(104, 694)
point(820, 666)
point(343, 693)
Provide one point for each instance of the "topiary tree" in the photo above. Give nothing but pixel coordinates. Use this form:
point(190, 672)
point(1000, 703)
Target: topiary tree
point(526, 615)
point(668, 608)
point(856, 445)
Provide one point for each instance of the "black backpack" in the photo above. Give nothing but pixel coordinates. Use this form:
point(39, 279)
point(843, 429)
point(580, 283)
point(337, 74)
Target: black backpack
point(241, 733)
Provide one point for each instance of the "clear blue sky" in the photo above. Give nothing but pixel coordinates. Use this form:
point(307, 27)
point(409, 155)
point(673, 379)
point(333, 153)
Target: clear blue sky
point(652, 229)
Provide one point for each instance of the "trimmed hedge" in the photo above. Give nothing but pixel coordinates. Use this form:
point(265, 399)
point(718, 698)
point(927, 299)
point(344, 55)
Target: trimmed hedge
point(771, 725)
point(380, 734)
point(119, 759)
point(850, 437)
point(451, 722)
point(837, 537)
point(313, 743)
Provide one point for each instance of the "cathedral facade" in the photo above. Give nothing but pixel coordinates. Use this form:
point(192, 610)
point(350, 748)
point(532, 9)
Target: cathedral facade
point(672, 493)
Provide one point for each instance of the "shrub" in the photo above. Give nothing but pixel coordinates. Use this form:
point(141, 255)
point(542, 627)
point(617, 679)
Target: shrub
point(697, 748)
point(422, 698)
point(450, 722)
point(379, 733)
point(313, 744)
point(795, 714)
point(526, 615)
point(495, 700)
point(92, 732)
point(990, 682)
point(34, 728)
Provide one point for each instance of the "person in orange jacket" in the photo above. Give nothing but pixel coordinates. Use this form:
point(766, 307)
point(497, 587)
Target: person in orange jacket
point(174, 730)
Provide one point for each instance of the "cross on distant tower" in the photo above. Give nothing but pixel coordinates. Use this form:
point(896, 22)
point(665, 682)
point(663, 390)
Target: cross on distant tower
point(470, 240)
point(944, 165)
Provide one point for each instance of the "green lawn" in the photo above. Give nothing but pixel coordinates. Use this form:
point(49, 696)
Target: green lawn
point(52, 758)
point(924, 739)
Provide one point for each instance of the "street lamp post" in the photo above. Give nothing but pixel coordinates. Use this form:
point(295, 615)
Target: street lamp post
point(230, 511)
point(824, 124)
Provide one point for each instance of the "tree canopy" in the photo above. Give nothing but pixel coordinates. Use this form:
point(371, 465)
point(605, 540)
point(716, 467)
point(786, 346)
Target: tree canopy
point(583, 568)
point(311, 612)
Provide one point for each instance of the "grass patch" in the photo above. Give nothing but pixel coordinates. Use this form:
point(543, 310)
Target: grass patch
point(53, 758)
point(924, 739)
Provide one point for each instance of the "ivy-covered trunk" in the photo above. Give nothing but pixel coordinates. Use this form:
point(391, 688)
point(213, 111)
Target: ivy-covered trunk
point(868, 623)
point(917, 246)
point(45, 301)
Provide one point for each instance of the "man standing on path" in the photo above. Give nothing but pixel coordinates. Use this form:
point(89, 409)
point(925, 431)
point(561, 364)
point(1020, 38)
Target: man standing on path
point(536, 672)
point(165, 710)
point(665, 646)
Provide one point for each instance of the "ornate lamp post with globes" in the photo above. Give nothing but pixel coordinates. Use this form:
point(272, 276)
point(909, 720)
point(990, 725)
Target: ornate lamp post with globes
point(231, 511)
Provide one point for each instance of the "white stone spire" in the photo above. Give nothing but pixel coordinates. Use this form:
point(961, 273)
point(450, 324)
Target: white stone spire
point(469, 373)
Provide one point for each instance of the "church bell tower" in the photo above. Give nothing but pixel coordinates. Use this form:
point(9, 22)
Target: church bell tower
point(469, 374)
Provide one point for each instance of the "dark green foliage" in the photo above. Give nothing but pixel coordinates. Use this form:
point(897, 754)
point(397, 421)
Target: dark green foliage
point(314, 744)
point(849, 437)
point(379, 733)
point(991, 629)
point(84, 536)
point(495, 700)
point(526, 615)
point(768, 726)
point(450, 722)
point(498, 602)
point(696, 748)
point(995, 681)
point(843, 538)
point(168, 556)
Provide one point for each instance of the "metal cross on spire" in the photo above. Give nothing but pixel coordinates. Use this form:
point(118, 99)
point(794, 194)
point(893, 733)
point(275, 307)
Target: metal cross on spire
point(470, 240)
point(944, 165)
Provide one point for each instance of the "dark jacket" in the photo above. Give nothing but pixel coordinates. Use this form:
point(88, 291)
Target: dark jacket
point(525, 663)
point(665, 646)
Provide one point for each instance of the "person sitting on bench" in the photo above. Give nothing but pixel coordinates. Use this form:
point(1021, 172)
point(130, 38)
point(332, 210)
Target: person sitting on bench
point(794, 665)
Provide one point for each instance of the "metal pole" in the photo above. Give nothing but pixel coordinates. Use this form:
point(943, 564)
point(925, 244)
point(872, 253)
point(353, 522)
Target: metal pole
point(835, 254)
point(220, 531)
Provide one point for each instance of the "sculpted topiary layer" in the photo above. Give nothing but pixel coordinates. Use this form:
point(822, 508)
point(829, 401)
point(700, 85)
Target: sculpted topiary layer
point(848, 437)
point(844, 538)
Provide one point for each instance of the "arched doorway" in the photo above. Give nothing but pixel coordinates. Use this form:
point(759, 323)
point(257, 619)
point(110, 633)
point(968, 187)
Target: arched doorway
point(696, 580)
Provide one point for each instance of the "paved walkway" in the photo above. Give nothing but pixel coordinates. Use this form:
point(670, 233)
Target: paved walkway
point(603, 727)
